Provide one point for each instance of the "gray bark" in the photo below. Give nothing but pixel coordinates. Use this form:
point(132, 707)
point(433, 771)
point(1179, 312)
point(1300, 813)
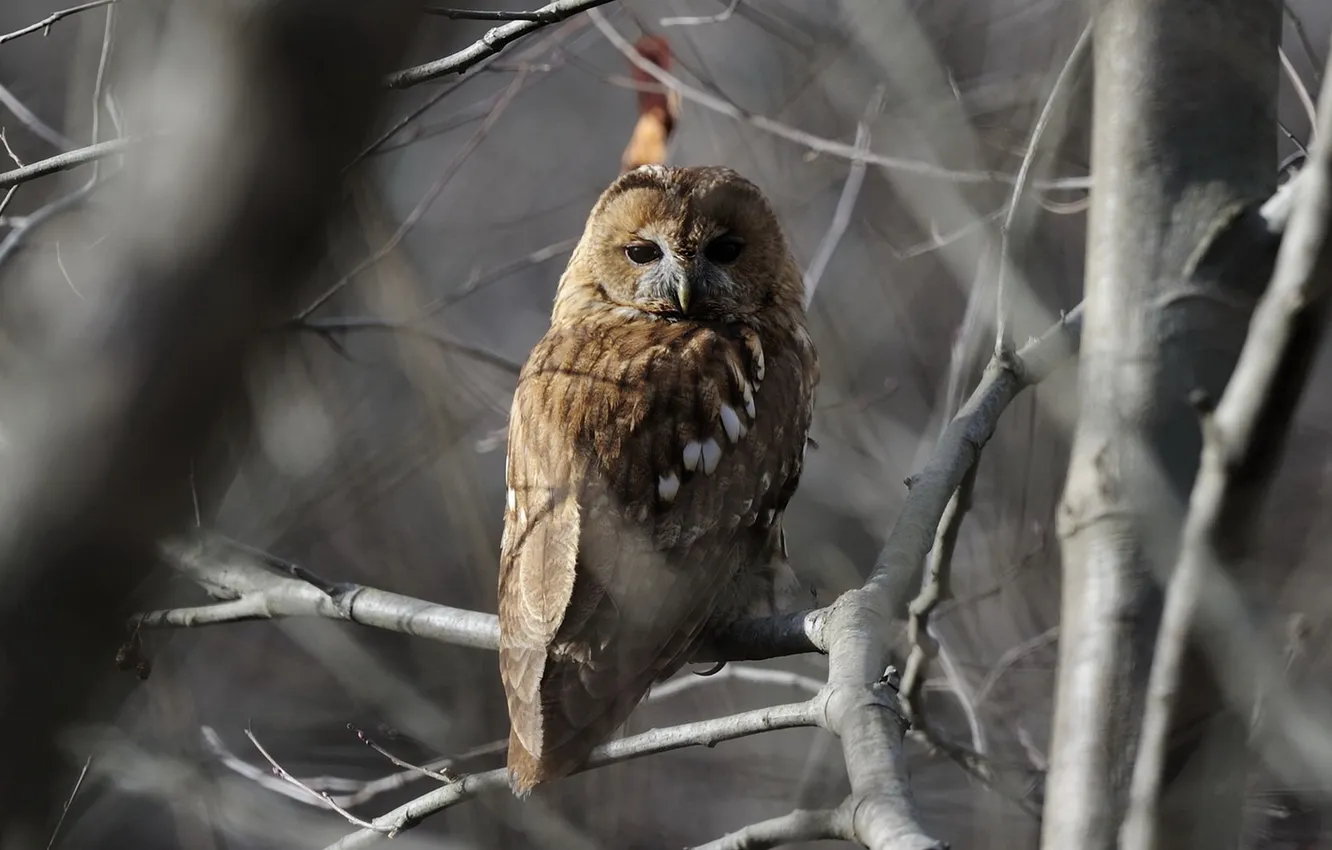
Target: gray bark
point(1183, 152)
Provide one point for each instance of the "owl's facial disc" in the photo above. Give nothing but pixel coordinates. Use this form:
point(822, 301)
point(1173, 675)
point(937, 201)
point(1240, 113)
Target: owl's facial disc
point(683, 282)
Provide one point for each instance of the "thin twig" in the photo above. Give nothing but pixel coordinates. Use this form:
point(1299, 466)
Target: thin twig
point(790, 828)
point(4, 140)
point(485, 15)
point(816, 143)
point(735, 673)
point(365, 738)
point(846, 202)
point(1305, 42)
point(697, 20)
point(469, 113)
point(1301, 91)
point(99, 83)
point(943, 240)
point(347, 793)
point(426, 200)
point(704, 733)
point(1017, 215)
point(344, 324)
point(63, 162)
point(934, 589)
point(1012, 657)
point(69, 801)
point(498, 273)
point(491, 43)
point(60, 263)
point(46, 23)
point(35, 125)
point(325, 798)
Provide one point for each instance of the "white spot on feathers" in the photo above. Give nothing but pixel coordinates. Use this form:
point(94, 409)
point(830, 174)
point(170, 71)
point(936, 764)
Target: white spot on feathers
point(711, 456)
point(668, 486)
point(693, 450)
point(731, 422)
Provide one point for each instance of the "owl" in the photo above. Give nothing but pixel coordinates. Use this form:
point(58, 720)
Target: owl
point(656, 437)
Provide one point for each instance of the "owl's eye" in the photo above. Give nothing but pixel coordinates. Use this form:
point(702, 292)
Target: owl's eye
point(724, 250)
point(642, 253)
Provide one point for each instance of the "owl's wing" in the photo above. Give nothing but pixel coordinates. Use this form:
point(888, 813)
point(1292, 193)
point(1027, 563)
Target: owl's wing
point(647, 462)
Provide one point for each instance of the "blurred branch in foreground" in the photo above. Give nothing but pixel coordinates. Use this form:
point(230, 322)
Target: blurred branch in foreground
point(1242, 442)
point(123, 388)
point(1178, 252)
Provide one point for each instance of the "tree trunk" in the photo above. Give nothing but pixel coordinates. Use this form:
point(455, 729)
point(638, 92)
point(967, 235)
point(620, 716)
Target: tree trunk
point(1184, 149)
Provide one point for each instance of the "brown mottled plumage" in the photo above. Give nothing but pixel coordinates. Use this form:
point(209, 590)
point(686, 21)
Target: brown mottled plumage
point(657, 434)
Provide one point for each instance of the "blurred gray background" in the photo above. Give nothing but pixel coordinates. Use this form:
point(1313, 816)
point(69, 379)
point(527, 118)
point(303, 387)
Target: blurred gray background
point(379, 458)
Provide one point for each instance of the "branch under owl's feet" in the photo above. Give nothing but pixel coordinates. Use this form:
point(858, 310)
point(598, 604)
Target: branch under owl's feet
point(251, 585)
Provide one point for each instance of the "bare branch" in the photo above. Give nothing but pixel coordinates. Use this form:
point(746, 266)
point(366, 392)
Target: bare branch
point(705, 733)
point(800, 137)
point(870, 730)
point(846, 202)
point(250, 591)
point(697, 20)
point(255, 593)
point(1301, 91)
point(934, 590)
point(1303, 36)
point(323, 797)
point(799, 825)
point(1018, 211)
point(491, 43)
point(445, 176)
point(69, 801)
point(735, 673)
point(343, 324)
point(50, 20)
point(63, 162)
point(1012, 657)
point(345, 792)
point(540, 15)
point(35, 125)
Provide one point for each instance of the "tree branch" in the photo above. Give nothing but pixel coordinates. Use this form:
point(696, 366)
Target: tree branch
point(705, 733)
point(799, 825)
point(800, 137)
point(63, 162)
point(249, 589)
point(491, 43)
point(868, 724)
point(50, 20)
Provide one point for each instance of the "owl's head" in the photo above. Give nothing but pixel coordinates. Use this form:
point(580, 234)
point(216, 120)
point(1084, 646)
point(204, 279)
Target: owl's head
point(696, 243)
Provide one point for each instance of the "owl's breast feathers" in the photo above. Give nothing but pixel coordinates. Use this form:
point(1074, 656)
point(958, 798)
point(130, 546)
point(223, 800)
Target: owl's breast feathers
point(649, 462)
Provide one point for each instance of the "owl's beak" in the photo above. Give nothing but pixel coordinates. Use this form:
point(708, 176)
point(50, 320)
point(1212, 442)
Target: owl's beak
point(683, 292)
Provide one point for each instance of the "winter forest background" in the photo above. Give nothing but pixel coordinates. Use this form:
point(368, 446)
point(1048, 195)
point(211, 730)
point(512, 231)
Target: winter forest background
point(376, 455)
